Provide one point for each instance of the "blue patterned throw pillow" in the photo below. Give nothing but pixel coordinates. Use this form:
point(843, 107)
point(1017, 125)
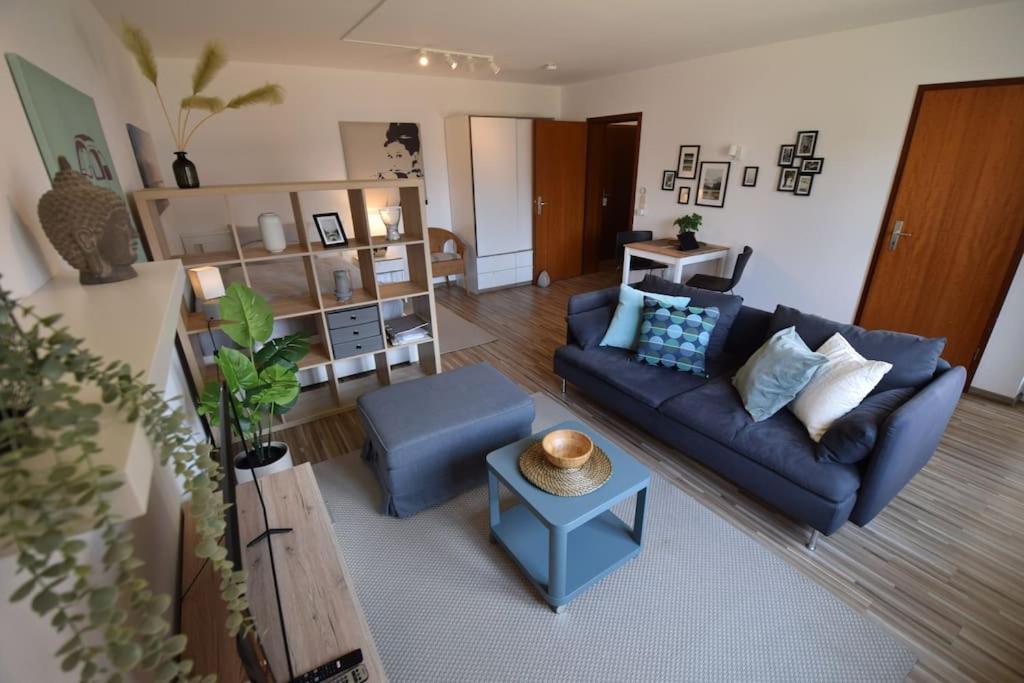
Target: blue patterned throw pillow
point(676, 337)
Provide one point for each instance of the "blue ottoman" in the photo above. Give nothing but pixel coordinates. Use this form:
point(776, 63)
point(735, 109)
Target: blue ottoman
point(427, 439)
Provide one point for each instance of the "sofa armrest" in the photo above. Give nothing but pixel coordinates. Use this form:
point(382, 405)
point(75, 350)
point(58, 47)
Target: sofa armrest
point(906, 442)
point(588, 301)
point(588, 315)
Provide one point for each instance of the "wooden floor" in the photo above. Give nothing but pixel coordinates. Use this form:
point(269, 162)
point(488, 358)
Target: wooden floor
point(942, 567)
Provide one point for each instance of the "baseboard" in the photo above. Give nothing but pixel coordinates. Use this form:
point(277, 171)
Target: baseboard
point(992, 396)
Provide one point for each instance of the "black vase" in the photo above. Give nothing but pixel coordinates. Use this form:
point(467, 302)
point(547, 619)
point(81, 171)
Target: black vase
point(184, 171)
point(688, 241)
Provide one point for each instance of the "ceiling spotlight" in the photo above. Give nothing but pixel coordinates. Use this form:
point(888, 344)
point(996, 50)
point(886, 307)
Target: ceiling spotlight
point(452, 63)
point(424, 58)
point(550, 66)
point(495, 69)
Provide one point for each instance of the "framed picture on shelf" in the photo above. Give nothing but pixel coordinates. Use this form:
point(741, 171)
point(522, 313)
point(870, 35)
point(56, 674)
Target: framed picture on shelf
point(786, 155)
point(332, 232)
point(689, 155)
point(806, 140)
point(668, 180)
point(750, 176)
point(684, 195)
point(811, 165)
point(712, 183)
point(787, 179)
point(803, 185)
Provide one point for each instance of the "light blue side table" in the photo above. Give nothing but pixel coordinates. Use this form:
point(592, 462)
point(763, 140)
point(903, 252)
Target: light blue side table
point(566, 544)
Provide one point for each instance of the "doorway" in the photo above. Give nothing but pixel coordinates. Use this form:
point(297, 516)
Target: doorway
point(953, 232)
point(613, 153)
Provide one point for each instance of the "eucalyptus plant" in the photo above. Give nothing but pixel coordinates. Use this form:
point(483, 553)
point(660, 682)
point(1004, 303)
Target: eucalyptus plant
point(52, 490)
point(261, 376)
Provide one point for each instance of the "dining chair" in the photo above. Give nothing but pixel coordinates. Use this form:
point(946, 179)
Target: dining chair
point(723, 284)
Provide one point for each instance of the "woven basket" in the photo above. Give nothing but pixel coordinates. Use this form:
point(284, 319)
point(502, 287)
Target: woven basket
point(579, 482)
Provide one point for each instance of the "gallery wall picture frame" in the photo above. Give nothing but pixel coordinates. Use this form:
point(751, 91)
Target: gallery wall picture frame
point(750, 176)
point(787, 179)
point(331, 229)
point(786, 155)
point(812, 165)
point(712, 183)
point(689, 157)
point(684, 195)
point(668, 180)
point(804, 181)
point(806, 141)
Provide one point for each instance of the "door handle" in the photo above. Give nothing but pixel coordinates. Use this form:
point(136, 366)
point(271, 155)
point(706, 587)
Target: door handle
point(540, 204)
point(897, 233)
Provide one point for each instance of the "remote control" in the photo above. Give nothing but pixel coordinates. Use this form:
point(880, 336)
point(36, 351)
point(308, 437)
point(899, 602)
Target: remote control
point(345, 669)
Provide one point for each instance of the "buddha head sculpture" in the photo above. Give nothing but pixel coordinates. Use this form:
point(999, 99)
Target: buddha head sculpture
point(89, 226)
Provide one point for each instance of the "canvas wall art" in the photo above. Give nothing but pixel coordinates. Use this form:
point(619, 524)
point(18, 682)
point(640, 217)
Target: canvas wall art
point(145, 157)
point(65, 123)
point(381, 151)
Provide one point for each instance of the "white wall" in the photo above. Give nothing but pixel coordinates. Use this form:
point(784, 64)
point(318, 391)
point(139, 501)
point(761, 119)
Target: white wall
point(856, 87)
point(299, 140)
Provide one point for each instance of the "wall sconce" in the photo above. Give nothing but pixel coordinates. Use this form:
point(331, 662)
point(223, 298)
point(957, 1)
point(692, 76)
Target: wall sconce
point(735, 152)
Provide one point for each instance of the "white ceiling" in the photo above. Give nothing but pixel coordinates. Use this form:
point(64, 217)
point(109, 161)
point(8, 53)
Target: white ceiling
point(586, 38)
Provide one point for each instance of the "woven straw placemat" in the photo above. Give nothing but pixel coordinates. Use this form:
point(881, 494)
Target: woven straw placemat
point(559, 482)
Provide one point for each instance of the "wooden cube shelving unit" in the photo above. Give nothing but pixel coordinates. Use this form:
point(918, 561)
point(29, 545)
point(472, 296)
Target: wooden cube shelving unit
point(290, 282)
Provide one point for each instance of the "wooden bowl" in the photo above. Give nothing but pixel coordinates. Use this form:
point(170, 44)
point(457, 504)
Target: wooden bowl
point(567, 449)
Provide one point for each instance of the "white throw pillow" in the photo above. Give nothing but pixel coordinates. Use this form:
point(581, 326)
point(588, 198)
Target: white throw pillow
point(837, 387)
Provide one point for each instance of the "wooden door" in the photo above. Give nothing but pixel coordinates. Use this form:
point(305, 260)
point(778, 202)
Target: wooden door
point(954, 229)
point(559, 179)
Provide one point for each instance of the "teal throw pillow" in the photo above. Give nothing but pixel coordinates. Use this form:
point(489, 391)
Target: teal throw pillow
point(625, 325)
point(676, 336)
point(775, 373)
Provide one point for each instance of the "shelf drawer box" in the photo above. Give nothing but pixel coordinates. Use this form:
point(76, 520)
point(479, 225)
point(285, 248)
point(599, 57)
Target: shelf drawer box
point(355, 332)
point(353, 316)
point(358, 347)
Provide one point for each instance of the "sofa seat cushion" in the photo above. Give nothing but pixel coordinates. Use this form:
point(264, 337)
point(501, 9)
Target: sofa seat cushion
point(914, 358)
point(651, 385)
point(780, 443)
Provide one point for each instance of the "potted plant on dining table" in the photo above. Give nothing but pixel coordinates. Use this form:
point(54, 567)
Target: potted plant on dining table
point(688, 227)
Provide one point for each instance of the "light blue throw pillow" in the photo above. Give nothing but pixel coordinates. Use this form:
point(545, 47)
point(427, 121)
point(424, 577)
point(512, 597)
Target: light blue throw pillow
point(624, 330)
point(775, 373)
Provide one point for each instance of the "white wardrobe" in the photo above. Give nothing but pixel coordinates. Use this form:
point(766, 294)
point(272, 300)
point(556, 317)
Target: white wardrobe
point(490, 179)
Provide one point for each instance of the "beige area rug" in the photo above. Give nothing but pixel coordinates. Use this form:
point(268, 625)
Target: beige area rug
point(457, 333)
point(702, 602)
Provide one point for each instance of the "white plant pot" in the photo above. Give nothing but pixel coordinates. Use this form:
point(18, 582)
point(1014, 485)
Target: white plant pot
point(243, 475)
point(272, 232)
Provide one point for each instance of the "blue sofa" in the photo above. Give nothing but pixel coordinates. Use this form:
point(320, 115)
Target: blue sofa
point(897, 428)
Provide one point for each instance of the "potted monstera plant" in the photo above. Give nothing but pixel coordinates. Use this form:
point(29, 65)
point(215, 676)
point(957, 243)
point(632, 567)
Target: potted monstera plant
point(688, 227)
point(262, 379)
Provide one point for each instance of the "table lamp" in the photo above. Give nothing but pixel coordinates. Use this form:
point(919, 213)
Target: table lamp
point(209, 288)
point(391, 215)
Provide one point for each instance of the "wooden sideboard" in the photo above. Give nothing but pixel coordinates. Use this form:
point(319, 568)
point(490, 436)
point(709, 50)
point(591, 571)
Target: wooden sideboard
point(321, 611)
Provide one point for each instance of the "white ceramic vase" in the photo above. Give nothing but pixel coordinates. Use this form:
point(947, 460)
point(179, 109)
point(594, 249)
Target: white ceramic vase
point(272, 232)
point(244, 474)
